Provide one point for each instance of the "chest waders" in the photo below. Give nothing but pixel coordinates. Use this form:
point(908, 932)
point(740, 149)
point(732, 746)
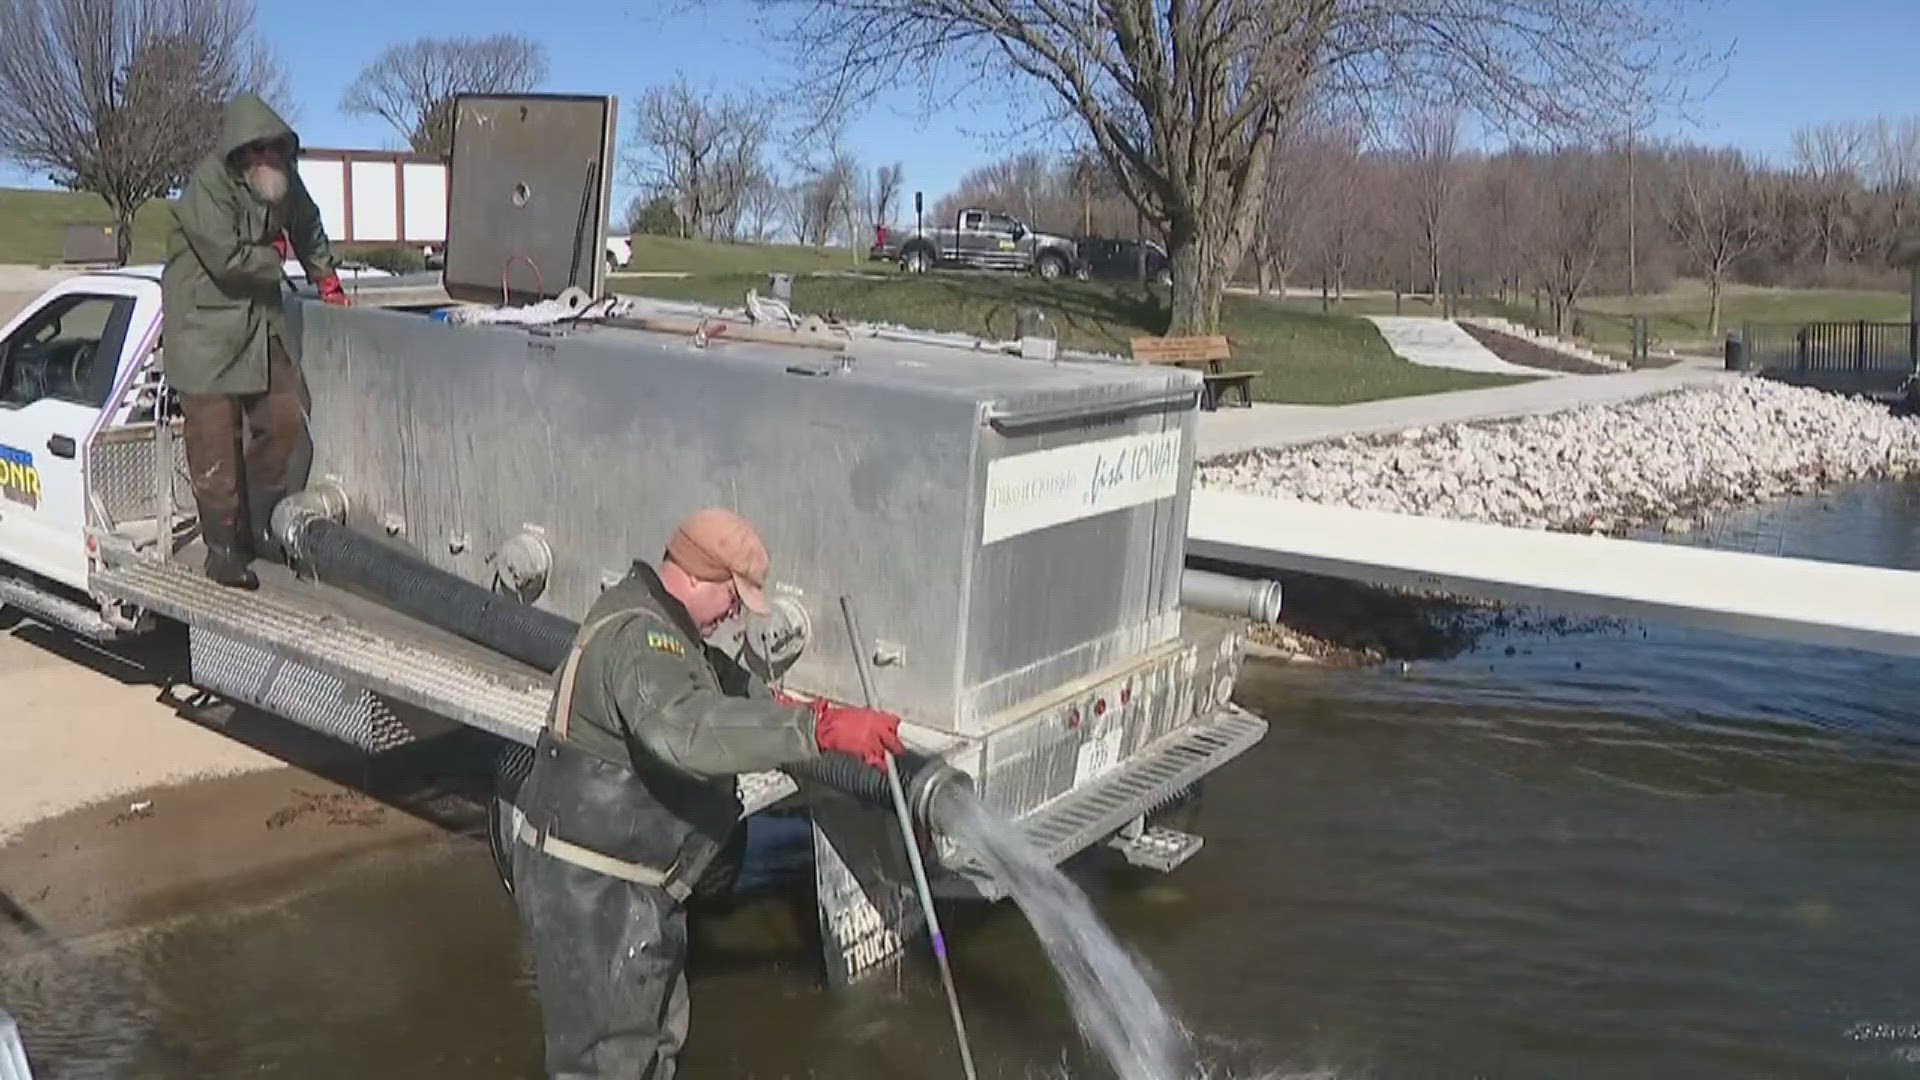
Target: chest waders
point(541, 839)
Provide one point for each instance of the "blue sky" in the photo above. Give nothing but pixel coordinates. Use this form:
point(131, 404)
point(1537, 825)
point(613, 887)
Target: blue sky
point(1795, 62)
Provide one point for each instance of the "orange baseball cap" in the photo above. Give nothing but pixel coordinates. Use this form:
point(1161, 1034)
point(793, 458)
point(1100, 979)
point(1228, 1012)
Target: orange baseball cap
point(719, 545)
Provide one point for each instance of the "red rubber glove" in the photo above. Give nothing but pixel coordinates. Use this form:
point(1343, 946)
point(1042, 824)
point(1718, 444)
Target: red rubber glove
point(330, 292)
point(867, 734)
point(280, 245)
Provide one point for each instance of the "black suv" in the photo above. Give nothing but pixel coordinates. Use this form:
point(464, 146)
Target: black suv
point(1104, 259)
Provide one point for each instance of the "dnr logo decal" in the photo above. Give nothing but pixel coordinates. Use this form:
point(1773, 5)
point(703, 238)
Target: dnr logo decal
point(19, 479)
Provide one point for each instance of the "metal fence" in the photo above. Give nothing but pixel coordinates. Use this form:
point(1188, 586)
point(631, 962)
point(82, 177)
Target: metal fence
point(1854, 357)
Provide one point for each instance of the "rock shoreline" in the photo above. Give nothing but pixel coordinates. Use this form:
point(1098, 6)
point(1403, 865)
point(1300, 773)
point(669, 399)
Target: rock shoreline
point(1611, 469)
point(1670, 461)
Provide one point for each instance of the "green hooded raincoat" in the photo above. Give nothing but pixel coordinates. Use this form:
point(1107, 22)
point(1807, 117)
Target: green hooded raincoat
point(220, 290)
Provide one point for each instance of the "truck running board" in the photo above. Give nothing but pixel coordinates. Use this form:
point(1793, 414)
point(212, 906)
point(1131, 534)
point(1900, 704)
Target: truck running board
point(277, 626)
point(1154, 777)
point(58, 610)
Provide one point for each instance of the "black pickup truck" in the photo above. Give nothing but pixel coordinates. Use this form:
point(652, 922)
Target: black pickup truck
point(982, 240)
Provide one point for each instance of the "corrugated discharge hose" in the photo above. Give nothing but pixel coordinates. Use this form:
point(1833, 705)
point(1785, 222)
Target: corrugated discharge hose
point(342, 556)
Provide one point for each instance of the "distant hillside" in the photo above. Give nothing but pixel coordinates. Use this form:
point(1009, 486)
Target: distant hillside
point(32, 223)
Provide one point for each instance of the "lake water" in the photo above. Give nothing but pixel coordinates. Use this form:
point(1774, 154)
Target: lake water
point(1638, 851)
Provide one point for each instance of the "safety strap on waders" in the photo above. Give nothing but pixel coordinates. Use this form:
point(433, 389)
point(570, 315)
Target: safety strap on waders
point(541, 840)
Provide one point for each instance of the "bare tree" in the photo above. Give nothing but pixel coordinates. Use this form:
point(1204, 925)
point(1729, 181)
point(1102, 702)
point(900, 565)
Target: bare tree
point(1431, 138)
point(1025, 185)
point(412, 86)
point(1500, 205)
point(1894, 164)
point(1831, 157)
point(1574, 204)
point(702, 149)
point(817, 200)
point(887, 183)
point(848, 181)
point(122, 98)
point(1340, 198)
point(762, 206)
point(1185, 100)
point(1281, 228)
point(1714, 208)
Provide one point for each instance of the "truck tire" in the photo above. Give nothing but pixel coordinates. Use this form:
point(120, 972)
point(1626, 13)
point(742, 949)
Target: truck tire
point(1051, 266)
point(916, 259)
point(510, 771)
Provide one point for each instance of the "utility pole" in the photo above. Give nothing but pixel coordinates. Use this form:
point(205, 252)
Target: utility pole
point(1633, 250)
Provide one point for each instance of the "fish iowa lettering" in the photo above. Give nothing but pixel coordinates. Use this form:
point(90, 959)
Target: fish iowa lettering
point(19, 478)
point(1141, 464)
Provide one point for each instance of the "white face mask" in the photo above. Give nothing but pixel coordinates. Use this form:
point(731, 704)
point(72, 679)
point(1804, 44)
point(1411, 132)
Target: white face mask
point(267, 182)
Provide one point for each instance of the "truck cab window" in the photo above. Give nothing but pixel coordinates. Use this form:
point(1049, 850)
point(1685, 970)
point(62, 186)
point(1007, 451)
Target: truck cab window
point(66, 351)
point(1001, 223)
point(972, 219)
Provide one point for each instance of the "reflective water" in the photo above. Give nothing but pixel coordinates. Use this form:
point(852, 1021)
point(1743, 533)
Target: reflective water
point(1636, 852)
point(1110, 988)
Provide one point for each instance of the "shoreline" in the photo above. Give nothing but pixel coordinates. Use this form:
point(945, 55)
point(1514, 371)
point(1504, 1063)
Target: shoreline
point(136, 862)
point(119, 810)
point(1670, 463)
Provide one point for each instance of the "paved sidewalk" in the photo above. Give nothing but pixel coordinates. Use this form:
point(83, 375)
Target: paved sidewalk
point(1433, 342)
point(1233, 431)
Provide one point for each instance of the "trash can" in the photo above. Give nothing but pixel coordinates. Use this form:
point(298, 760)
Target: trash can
point(1736, 351)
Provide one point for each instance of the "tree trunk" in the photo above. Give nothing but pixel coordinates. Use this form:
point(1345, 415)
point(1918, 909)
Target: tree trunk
point(123, 235)
point(1263, 267)
point(1196, 293)
point(1713, 302)
point(1199, 279)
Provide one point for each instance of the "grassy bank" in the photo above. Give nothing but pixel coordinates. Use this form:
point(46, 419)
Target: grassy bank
point(1304, 358)
point(33, 224)
point(1676, 317)
point(657, 254)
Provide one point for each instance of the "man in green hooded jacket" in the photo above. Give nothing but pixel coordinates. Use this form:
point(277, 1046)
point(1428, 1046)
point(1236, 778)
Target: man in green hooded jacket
point(226, 346)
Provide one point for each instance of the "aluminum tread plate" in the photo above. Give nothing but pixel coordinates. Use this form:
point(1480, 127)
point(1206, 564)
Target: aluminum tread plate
point(323, 639)
point(1073, 822)
point(57, 610)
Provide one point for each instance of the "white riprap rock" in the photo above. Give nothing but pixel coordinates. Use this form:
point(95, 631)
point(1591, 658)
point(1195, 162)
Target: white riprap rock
point(1611, 468)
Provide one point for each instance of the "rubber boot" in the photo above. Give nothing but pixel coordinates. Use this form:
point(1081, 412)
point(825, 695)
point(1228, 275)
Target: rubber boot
point(260, 504)
point(228, 555)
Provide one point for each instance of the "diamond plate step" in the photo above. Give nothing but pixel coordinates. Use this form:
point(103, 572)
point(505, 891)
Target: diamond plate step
point(1071, 823)
point(1158, 848)
point(309, 631)
point(58, 610)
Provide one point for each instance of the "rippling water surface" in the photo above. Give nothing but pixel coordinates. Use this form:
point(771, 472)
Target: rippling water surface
point(1640, 851)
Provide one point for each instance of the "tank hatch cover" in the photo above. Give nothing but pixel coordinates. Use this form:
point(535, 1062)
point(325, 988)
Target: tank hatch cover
point(528, 186)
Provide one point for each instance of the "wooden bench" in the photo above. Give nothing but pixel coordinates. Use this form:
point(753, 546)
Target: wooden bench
point(1208, 354)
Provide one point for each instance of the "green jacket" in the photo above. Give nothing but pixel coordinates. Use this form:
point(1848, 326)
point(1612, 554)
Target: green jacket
point(660, 725)
point(650, 692)
point(220, 290)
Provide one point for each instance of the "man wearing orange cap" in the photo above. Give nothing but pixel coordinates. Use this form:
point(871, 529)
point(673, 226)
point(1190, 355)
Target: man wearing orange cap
point(632, 794)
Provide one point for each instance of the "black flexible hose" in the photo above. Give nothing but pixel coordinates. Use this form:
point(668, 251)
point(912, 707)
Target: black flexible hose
point(844, 772)
point(339, 555)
